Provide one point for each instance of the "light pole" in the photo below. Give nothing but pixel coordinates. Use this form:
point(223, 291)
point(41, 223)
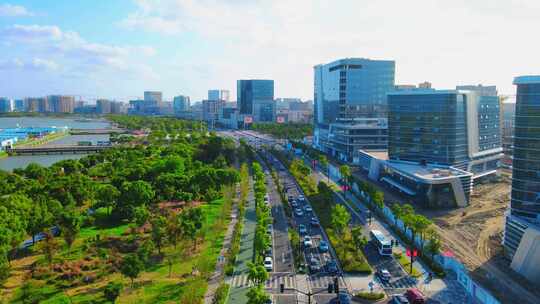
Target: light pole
point(332, 288)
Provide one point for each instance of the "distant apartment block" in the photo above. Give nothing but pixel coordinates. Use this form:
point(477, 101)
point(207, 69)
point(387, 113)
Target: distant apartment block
point(103, 106)
point(6, 105)
point(350, 106)
point(61, 104)
point(255, 98)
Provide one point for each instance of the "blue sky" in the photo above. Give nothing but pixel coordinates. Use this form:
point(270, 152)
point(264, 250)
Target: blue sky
point(119, 48)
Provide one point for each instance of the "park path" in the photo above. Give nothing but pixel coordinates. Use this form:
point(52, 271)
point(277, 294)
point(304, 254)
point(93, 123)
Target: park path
point(217, 276)
point(238, 294)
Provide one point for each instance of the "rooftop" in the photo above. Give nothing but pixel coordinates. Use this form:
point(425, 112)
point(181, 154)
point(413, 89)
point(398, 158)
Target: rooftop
point(429, 172)
point(528, 79)
point(378, 154)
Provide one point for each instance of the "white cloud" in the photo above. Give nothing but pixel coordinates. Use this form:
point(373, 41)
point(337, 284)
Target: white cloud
point(446, 42)
point(69, 46)
point(9, 10)
point(35, 64)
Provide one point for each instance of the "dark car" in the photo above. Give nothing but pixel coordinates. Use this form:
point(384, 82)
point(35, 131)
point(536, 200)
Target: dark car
point(399, 299)
point(331, 267)
point(314, 222)
point(314, 265)
point(342, 298)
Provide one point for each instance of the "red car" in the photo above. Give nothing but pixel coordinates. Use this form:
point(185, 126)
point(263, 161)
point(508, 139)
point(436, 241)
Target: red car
point(415, 296)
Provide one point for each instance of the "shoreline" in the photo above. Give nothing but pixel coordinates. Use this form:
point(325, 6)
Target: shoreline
point(42, 141)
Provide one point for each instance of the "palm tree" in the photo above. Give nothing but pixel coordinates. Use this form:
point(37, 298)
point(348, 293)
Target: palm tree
point(397, 211)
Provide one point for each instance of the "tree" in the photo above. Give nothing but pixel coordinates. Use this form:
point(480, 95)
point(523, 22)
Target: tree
point(378, 199)
point(174, 228)
point(340, 218)
point(131, 267)
point(49, 247)
point(345, 172)
point(421, 224)
point(140, 215)
point(257, 274)
point(397, 211)
point(145, 250)
point(358, 238)
point(41, 216)
point(12, 231)
point(159, 224)
point(257, 295)
point(191, 222)
point(106, 197)
point(134, 194)
point(112, 290)
point(70, 224)
point(433, 246)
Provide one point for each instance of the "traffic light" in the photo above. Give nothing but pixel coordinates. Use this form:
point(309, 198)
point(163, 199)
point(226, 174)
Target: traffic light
point(281, 287)
point(336, 285)
point(330, 288)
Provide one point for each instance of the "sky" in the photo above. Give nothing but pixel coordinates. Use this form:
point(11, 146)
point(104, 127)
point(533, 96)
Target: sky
point(120, 48)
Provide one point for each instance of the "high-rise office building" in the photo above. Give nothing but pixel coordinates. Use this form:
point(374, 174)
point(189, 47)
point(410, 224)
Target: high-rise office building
point(218, 95)
point(153, 98)
point(61, 104)
point(456, 131)
point(350, 106)
point(103, 106)
point(255, 98)
point(211, 110)
point(6, 105)
point(522, 229)
point(181, 104)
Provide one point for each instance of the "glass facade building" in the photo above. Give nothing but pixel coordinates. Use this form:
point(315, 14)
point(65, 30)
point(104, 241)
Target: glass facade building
point(255, 97)
point(348, 94)
point(428, 126)
point(454, 130)
point(524, 212)
point(181, 104)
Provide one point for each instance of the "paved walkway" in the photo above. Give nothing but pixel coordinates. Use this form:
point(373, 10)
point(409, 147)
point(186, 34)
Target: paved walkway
point(237, 292)
point(217, 276)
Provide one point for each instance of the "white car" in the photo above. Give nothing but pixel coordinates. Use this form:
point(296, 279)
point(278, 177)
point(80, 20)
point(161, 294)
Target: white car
point(268, 264)
point(308, 243)
point(308, 208)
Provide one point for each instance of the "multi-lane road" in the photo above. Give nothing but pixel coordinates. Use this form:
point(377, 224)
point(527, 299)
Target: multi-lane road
point(317, 278)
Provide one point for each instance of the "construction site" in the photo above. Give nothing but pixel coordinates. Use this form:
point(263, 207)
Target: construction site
point(474, 235)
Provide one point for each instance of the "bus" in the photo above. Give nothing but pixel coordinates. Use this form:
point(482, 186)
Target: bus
point(383, 245)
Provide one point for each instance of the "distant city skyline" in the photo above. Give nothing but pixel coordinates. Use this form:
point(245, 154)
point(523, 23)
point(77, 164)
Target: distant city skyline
point(118, 49)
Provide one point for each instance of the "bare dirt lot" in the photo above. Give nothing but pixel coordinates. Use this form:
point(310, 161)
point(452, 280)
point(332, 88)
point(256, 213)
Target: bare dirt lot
point(477, 224)
point(474, 235)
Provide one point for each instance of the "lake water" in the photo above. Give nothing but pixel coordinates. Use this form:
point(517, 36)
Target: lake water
point(12, 162)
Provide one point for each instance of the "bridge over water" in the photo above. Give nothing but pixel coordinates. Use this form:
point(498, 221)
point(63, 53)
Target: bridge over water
point(57, 149)
point(97, 131)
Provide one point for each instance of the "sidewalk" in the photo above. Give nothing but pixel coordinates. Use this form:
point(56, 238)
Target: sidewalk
point(238, 294)
point(216, 278)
